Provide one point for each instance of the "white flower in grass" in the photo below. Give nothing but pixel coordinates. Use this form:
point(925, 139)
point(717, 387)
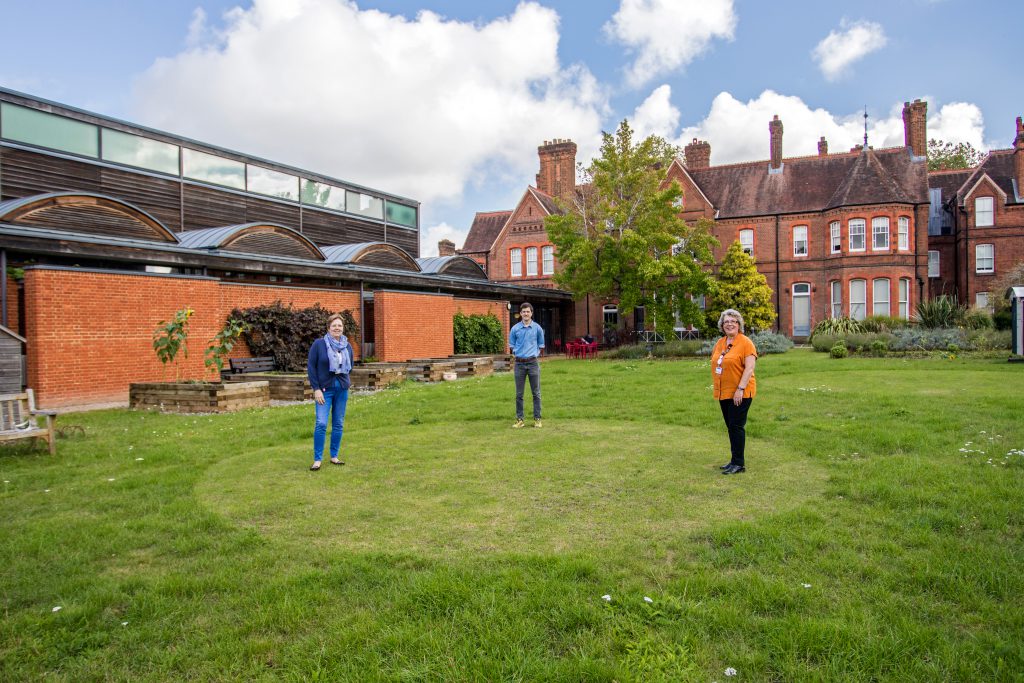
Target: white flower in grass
point(729, 671)
point(111, 479)
point(647, 599)
point(57, 608)
point(124, 623)
point(806, 585)
point(606, 598)
point(46, 490)
point(139, 459)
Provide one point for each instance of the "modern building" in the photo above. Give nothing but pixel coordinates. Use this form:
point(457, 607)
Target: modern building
point(107, 228)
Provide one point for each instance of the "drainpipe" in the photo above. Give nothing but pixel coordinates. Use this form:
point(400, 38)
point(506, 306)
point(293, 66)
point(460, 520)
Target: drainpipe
point(362, 323)
point(778, 280)
point(3, 288)
point(967, 255)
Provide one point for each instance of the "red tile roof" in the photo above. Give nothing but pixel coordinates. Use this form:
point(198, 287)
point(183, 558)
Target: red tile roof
point(485, 229)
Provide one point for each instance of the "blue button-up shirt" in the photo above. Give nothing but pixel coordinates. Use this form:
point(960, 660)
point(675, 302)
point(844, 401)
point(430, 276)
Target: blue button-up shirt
point(526, 342)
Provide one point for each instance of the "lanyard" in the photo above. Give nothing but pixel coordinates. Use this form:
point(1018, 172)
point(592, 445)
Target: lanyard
point(720, 358)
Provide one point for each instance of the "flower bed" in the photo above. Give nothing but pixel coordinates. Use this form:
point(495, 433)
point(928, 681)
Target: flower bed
point(199, 397)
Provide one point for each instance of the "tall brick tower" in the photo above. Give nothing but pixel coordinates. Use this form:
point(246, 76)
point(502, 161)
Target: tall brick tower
point(557, 176)
point(775, 134)
point(697, 154)
point(915, 127)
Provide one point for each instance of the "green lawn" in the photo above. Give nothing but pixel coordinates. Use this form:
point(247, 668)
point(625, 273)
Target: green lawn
point(877, 534)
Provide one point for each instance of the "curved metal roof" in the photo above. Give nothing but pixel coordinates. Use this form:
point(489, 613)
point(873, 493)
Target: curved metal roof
point(48, 210)
point(442, 265)
point(380, 254)
point(226, 236)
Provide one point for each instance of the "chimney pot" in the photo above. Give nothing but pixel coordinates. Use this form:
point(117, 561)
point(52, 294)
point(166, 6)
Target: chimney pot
point(822, 146)
point(697, 154)
point(775, 135)
point(446, 248)
point(915, 127)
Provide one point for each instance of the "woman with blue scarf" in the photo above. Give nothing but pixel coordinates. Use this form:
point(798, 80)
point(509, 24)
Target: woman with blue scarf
point(330, 362)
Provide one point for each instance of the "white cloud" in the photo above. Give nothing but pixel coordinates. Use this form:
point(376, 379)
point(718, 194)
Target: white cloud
point(668, 34)
point(656, 115)
point(421, 107)
point(840, 49)
point(738, 131)
point(430, 236)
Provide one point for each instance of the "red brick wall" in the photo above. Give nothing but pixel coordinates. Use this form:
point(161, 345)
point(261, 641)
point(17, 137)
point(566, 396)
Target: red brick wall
point(12, 306)
point(482, 307)
point(412, 325)
point(90, 334)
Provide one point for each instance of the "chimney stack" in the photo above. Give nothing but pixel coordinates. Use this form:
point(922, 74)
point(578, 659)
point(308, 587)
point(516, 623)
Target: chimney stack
point(822, 147)
point(697, 154)
point(557, 176)
point(915, 127)
point(446, 248)
point(775, 131)
point(1018, 157)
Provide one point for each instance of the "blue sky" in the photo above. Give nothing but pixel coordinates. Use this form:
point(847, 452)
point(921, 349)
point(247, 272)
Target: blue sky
point(445, 101)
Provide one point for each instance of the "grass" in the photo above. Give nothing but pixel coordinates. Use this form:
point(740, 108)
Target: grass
point(877, 534)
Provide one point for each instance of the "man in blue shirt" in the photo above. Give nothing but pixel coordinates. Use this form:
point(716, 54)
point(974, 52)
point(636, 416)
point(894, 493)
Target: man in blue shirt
point(526, 339)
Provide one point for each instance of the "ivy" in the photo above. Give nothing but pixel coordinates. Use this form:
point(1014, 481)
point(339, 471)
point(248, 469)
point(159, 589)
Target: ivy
point(478, 334)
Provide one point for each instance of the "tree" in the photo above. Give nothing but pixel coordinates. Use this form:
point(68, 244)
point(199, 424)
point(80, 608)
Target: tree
point(170, 337)
point(945, 156)
point(622, 237)
point(740, 286)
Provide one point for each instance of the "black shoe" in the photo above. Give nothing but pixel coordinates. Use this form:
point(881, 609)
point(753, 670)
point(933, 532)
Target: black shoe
point(734, 469)
point(725, 466)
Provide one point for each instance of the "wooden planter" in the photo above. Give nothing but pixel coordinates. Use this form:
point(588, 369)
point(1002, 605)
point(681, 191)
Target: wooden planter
point(199, 397)
point(473, 366)
point(283, 386)
point(500, 362)
point(374, 376)
point(429, 369)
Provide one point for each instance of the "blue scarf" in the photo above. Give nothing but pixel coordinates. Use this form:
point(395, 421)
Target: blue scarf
point(341, 363)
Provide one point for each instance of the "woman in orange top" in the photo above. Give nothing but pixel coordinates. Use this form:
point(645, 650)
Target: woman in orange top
point(732, 372)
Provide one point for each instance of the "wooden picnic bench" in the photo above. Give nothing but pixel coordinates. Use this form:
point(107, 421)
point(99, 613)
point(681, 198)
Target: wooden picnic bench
point(19, 419)
point(246, 365)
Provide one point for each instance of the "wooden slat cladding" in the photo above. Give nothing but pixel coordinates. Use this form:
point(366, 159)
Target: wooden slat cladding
point(462, 269)
point(159, 197)
point(260, 211)
point(384, 259)
point(269, 243)
point(327, 229)
point(28, 173)
point(92, 219)
point(406, 239)
point(206, 208)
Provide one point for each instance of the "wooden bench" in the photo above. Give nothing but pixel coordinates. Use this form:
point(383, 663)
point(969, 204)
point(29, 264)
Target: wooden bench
point(245, 365)
point(19, 419)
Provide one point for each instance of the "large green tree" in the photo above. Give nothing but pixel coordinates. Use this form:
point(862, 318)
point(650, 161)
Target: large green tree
point(622, 236)
point(742, 287)
point(946, 156)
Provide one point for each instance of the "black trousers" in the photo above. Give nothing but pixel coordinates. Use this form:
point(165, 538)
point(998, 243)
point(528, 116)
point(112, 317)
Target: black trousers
point(735, 417)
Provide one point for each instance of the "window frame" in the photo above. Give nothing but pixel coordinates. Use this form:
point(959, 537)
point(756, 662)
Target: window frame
point(745, 247)
point(863, 301)
point(835, 304)
point(835, 229)
point(797, 229)
point(936, 271)
point(903, 298)
point(990, 212)
point(547, 257)
point(863, 224)
point(991, 259)
point(875, 301)
point(515, 262)
point(531, 261)
point(903, 233)
point(876, 223)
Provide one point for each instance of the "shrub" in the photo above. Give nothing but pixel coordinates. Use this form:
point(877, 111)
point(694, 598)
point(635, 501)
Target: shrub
point(1002, 319)
point(883, 323)
point(879, 348)
point(769, 342)
point(286, 333)
point(836, 326)
point(838, 349)
point(675, 348)
point(478, 333)
point(977, 319)
point(625, 352)
point(941, 312)
point(170, 337)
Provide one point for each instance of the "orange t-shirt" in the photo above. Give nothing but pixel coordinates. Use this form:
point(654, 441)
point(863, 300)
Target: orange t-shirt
point(732, 367)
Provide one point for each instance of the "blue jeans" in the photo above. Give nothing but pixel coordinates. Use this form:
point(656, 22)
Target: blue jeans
point(335, 402)
point(524, 369)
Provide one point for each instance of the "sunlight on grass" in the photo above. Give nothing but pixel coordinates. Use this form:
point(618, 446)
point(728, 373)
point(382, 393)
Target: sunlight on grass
point(562, 489)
